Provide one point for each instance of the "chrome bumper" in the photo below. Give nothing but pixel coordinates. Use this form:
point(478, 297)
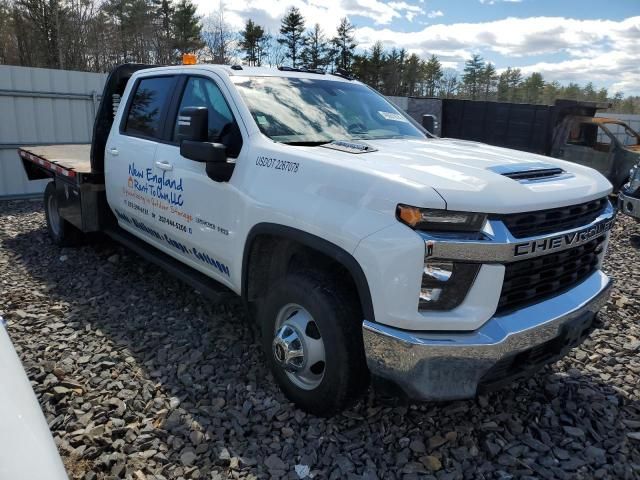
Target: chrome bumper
point(448, 366)
point(629, 205)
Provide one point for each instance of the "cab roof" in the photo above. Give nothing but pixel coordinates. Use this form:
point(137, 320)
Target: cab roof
point(244, 71)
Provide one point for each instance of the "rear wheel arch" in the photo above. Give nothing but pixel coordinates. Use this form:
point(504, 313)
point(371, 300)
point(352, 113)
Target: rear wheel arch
point(271, 249)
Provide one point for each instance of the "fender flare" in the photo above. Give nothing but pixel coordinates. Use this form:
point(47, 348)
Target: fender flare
point(317, 243)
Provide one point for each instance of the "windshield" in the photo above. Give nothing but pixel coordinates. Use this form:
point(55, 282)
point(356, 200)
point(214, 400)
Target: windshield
point(308, 111)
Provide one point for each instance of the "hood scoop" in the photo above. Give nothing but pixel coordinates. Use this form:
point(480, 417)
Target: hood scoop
point(529, 172)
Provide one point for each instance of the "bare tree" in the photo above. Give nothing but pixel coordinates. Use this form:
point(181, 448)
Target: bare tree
point(448, 84)
point(219, 38)
point(276, 52)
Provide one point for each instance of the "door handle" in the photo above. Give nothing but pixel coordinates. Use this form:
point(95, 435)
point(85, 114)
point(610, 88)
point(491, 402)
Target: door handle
point(164, 166)
point(114, 151)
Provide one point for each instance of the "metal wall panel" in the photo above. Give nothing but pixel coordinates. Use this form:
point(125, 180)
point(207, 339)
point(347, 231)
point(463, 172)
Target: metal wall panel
point(39, 105)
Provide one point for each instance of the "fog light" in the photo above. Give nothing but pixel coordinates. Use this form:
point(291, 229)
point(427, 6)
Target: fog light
point(445, 284)
point(430, 294)
point(438, 271)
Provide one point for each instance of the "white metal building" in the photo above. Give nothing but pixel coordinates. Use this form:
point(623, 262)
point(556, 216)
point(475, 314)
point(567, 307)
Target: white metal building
point(42, 106)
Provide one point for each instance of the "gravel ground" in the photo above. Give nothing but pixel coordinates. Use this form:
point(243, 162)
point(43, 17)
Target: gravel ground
point(139, 377)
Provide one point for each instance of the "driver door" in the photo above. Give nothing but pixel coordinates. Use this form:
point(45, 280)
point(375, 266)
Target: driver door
point(199, 221)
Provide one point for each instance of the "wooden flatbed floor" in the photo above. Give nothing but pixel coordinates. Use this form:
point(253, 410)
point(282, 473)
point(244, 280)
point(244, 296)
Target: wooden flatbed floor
point(75, 158)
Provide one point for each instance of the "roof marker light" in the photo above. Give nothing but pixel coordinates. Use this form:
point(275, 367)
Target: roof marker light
point(188, 59)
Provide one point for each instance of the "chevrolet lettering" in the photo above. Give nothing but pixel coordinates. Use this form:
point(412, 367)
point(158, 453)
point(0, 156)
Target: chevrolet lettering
point(561, 242)
point(362, 246)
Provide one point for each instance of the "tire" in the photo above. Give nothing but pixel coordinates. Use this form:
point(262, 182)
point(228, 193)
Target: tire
point(317, 304)
point(62, 233)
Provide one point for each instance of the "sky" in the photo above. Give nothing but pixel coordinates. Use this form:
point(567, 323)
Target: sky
point(565, 40)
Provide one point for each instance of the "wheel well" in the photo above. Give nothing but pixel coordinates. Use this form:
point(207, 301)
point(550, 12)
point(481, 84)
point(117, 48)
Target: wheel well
point(270, 256)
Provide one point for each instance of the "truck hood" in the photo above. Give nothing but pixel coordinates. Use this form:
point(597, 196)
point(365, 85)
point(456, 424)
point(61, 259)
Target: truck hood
point(470, 176)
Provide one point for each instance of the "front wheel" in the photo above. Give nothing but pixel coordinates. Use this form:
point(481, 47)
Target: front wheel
point(312, 338)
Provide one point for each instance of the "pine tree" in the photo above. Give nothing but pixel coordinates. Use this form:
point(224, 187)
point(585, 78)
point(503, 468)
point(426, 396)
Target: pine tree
point(251, 41)
point(412, 73)
point(186, 27)
point(392, 71)
point(502, 93)
point(550, 92)
point(316, 50)
point(472, 76)
point(515, 81)
point(164, 12)
point(432, 75)
point(488, 78)
point(509, 85)
point(344, 44)
point(572, 91)
point(589, 92)
point(603, 95)
point(533, 88)
point(376, 65)
point(292, 34)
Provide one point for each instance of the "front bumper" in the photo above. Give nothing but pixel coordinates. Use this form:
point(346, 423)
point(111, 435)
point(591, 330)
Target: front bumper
point(448, 366)
point(629, 205)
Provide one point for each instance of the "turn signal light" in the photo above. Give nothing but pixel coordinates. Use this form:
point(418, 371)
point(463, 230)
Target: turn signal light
point(427, 219)
point(409, 215)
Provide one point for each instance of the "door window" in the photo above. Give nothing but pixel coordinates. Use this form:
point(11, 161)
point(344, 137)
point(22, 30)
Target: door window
point(145, 111)
point(203, 92)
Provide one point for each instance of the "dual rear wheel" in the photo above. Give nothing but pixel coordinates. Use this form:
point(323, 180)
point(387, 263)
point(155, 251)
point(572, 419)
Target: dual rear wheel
point(60, 230)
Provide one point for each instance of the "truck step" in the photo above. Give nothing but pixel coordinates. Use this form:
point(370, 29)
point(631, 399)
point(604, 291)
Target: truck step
point(208, 287)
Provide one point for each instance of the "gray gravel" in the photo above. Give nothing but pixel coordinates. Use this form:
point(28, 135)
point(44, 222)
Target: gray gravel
point(141, 378)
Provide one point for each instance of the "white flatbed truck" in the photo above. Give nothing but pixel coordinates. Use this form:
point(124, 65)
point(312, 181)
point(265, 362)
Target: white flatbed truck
point(363, 246)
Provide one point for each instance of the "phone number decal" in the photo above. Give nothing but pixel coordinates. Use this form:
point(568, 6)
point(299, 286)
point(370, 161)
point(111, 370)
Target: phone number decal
point(174, 224)
point(274, 163)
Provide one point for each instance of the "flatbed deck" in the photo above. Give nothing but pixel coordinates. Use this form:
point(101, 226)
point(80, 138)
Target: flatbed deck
point(68, 160)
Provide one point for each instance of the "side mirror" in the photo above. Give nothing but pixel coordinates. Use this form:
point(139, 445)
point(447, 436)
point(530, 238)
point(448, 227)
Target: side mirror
point(213, 154)
point(429, 123)
point(193, 124)
point(203, 151)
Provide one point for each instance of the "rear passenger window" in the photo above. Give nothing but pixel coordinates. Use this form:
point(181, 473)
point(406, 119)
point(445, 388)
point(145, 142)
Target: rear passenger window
point(148, 102)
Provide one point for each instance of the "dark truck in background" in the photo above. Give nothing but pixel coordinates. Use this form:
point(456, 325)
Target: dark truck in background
point(568, 130)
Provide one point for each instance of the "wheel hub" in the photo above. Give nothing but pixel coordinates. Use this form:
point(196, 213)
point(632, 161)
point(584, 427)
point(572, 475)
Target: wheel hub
point(298, 347)
point(288, 349)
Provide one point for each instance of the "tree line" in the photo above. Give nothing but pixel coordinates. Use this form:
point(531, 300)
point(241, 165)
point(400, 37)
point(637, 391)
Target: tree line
point(96, 35)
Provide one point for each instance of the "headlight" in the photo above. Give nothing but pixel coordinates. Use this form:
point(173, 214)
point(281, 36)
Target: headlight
point(445, 284)
point(440, 220)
